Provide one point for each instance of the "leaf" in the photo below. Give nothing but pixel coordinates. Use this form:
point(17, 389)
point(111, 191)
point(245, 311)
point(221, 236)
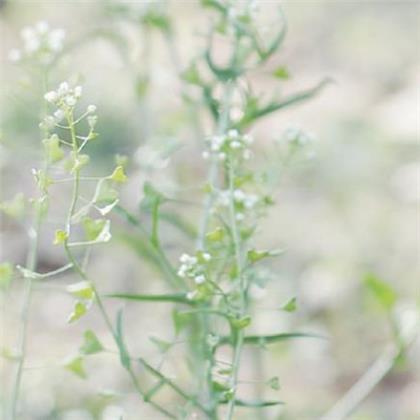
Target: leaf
point(176, 298)
point(91, 344)
point(270, 339)
point(254, 404)
point(162, 345)
point(382, 291)
point(92, 227)
point(60, 237)
point(118, 175)
point(76, 366)
point(124, 356)
point(274, 106)
point(52, 149)
point(274, 383)
point(82, 290)
point(6, 274)
point(215, 235)
point(79, 310)
point(254, 255)
point(15, 207)
point(281, 73)
point(290, 306)
point(241, 323)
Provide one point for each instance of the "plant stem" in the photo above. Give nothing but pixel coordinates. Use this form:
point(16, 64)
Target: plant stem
point(372, 377)
point(26, 301)
point(238, 335)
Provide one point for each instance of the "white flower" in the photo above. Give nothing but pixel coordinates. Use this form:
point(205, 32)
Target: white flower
point(78, 91)
point(248, 139)
point(200, 279)
point(58, 115)
point(51, 96)
point(235, 144)
point(222, 156)
point(239, 195)
point(205, 154)
point(63, 88)
point(206, 256)
point(55, 40)
point(233, 133)
point(239, 217)
point(91, 109)
point(71, 100)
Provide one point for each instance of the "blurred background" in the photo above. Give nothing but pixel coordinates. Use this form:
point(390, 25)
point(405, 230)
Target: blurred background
point(347, 207)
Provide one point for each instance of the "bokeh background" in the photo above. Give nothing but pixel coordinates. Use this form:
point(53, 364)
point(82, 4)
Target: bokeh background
point(348, 207)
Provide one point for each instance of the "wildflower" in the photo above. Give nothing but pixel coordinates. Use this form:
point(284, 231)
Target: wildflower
point(39, 43)
point(91, 109)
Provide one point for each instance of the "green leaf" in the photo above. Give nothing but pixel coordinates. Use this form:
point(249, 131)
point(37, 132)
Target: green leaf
point(281, 73)
point(60, 236)
point(382, 291)
point(262, 340)
point(92, 227)
point(82, 290)
point(124, 356)
point(52, 149)
point(162, 345)
point(118, 175)
point(216, 235)
point(42, 179)
point(254, 255)
point(91, 344)
point(275, 106)
point(241, 323)
point(14, 208)
point(79, 310)
point(176, 298)
point(76, 366)
point(254, 404)
point(274, 383)
point(290, 306)
point(6, 274)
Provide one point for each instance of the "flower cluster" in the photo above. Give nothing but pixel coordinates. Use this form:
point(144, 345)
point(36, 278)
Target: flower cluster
point(297, 137)
point(39, 42)
point(242, 201)
point(194, 268)
point(227, 144)
point(65, 98)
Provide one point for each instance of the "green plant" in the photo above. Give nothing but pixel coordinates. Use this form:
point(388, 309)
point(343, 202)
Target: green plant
point(211, 287)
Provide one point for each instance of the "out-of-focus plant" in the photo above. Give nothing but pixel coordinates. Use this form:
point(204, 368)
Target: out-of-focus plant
point(213, 283)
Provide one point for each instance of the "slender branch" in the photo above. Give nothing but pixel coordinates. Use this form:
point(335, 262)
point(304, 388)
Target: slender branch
point(372, 377)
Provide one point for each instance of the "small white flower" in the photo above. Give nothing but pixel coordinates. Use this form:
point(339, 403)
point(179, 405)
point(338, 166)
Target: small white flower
point(191, 295)
point(78, 91)
point(248, 139)
point(71, 100)
point(206, 256)
point(27, 33)
point(233, 133)
point(222, 156)
point(184, 258)
point(205, 155)
point(235, 144)
point(91, 109)
point(200, 279)
point(59, 115)
point(239, 195)
point(32, 45)
point(63, 88)
point(239, 217)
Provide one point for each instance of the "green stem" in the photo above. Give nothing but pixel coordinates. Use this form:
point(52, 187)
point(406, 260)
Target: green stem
point(238, 334)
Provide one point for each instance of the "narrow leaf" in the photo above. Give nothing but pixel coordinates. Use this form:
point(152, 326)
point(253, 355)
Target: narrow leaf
point(176, 298)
